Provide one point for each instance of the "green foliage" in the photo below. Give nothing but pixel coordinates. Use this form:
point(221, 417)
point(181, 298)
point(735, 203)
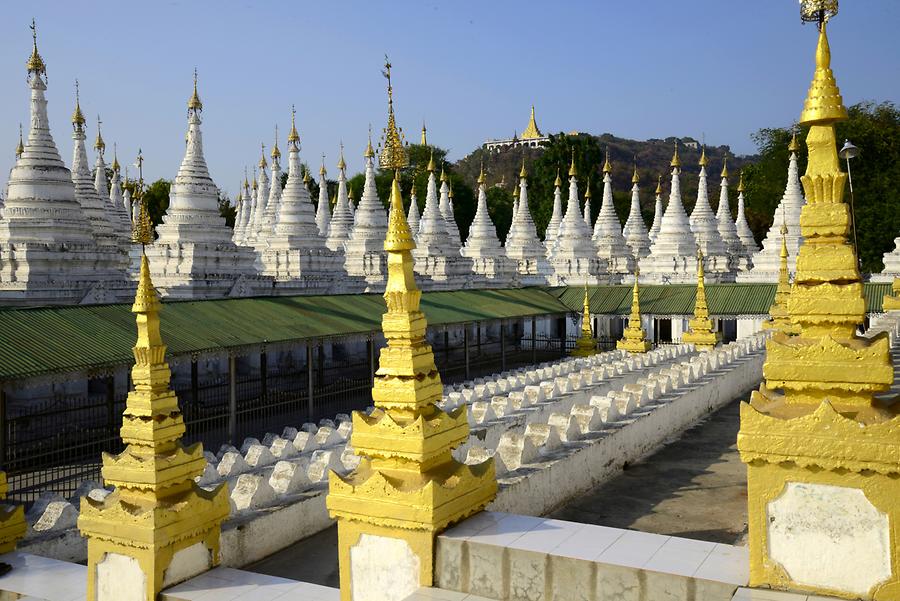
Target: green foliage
point(875, 129)
point(226, 209)
point(500, 208)
point(156, 198)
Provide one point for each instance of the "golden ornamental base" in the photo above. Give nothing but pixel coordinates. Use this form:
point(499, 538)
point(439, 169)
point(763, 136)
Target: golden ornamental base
point(584, 347)
point(634, 342)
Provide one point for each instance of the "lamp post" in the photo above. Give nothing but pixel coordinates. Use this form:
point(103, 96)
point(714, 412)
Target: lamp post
point(847, 152)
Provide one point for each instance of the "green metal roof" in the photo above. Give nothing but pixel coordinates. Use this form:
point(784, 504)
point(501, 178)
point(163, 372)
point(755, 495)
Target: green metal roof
point(61, 339)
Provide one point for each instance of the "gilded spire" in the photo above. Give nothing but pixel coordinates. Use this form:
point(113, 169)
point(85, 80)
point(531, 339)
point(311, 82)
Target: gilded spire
point(585, 346)
point(587, 191)
point(142, 228)
point(393, 154)
point(20, 147)
point(607, 168)
point(194, 103)
point(293, 136)
point(431, 166)
point(399, 238)
point(443, 175)
point(522, 172)
point(703, 160)
point(276, 152)
point(450, 192)
point(740, 187)
point(676, 162)
point(635, 178)
point(531, 131)
point(115, 164)
point(370, 152)
point(794, 146)
point(262, 158)
point(77, 115)
point(634, 338)
point(824, 103)
point(725, 167)
point(573, 172)
point(99, 144)
point(558, 181)
point(659, 184)
point(35, 63)
point(341, 163)
point(701, 330)
point(481, 177)
point(306, 177)
point(424, 141)
point(322, 171)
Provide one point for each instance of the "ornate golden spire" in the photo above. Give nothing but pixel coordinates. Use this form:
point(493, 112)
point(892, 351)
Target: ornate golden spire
point(634, 338)
point(293, 136)
point(794, 146)
point(276, 152)
point(399, 238)
point(142, 228)
point(676, 162)
point(322, 171)
point(585, 346)
point(823, 101)
point(262, 157)
point(99, 144)
point(424, 141)
point(740, 187)
point(450, 192)
point(481, 177)
point(522, 172)
point(443, 175)
point(115, 164)
point(558, 181)
point(635, 178)
point(701, 332)
point(341, 163)
point(725, 167)
point(35, 63)
point(607, 168)
point(573, 172)
point(370, 152)
point(20, 147)
point(659, 184)
point(703, 160)
point(77, 115)
point(587, 191)
point(531, 131)
point(393, 154)
point(306, 177)
point(194, 103)
point(431, 166)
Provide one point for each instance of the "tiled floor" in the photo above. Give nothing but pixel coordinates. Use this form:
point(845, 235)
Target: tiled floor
point(43, 578)
point(746, 594)
point(227, 584)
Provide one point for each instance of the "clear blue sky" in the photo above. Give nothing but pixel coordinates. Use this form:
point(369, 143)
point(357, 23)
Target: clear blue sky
point(471, 69)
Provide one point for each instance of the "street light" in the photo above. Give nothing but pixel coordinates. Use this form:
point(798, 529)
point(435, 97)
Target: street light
point(847, 152)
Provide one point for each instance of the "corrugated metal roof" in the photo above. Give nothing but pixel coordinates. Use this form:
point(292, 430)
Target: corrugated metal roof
point(61, 339)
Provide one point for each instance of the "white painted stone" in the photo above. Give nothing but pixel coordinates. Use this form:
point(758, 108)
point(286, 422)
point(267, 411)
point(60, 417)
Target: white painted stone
point(120, 578)
point(327, 436)
point(829, 536)
point(383, 569)
point(248, 442)
point(259, 456)
point(232, 464)
point(282, 448)
point(322, 462)
point(305, 442)
point(51, 512)
point(289, 476)
point(187, 563)
point(209, 476)
point(251, 491)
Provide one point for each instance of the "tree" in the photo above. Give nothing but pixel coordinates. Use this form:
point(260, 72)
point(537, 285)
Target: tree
point(875, 129)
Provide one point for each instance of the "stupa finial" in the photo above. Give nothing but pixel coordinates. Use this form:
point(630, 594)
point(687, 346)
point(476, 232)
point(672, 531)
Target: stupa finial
point(703, 160)
point(725, 166)
point(676, 162)
point(293, 136)
point(262, 158)
point(573, 172)
point(659, 184)
point(20, 147)
point(35, 63)
point(393, 154)
point(522, 172)
point(194, 104)
point(276, 152)
point(99, 144)
point(607, 168)
point(77, 116)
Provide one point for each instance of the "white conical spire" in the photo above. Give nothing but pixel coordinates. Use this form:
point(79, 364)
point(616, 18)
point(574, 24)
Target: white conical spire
point(247, 214)
point(239, 209)
point(706, 230)
point(262, 203)
point(767, 262)
point(126, 197)
point(743, 228)
point(522, 243)
point(323, 208)
point(587, 205)
point(482, 240)
point(446, 209)
point(552, 230)
point(673, 253)
point(726, 226)
point(342, 219)
point(412, 218)
point(574, 239)
point(85, 192)
point(369, 219)
point(256, 209)
point(120, 223)
point(433, 238)
point(657, 212)
point(351, 203)
point(607, 234)
point(117, 201)
point(270, 217)
point(635, 231)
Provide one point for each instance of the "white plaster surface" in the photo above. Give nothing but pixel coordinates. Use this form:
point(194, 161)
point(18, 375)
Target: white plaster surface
point(383, 569)
point(829, 536)
point(120, 578)
point(187, 563)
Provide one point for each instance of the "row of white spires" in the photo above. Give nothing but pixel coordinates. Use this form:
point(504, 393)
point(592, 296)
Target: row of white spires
point(64, 239)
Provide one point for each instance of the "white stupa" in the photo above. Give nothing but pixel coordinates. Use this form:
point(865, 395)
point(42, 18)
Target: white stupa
point(341, 219)
point(635, 231)
point(297, 257)
point(489, 262)
point(364, 250)
point(260, 236)
point(607, 236)
point(323, 208)
point(446, 208)
point(657, 211)
point(239, 212)
point(522, 243)
point(412, 218)
point(673, 254)
point(116, 198)
point(270, 216)
point(740, 259)
point(48, 253)
point(573, 258)
point(115, 211)
point(742, 227)
point(767, 262)
point(556, 216)
point(716, 263)
point(194, 256)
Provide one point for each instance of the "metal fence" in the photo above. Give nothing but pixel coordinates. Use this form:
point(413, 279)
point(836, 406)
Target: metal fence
point(56, 445)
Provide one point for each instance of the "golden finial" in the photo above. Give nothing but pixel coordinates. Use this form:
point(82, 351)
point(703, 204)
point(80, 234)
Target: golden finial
point(246, 181)
point(818, 11)
point(725, 167)
point(398, 238)
point(516, 193)
point(254, 185)
point(99, 144)
point(350, 191)
point(572, 171)
point(443, 175)
point(635, 178)
point(393, 154)
point(450, 192)
point(77, 115)
point(20, 147)
point(676, 162)
point(115, 163)
point(322, 170)
point(293, 136)
point(194, 103)
point(531, 131)
point(412, 191)
point(424, 141)
point(794, 146)
point(431, 166)
point(306, 177)
point(703, 160)
point(740, 187)
point(341, 163)
point(142, 229)
point(607, 168)
point(481, 175)
point(522, 173)
point(558, 181)
point(262, 158)
point(276, 152)
point(370, 152)
point(35, 63)
point(659, 184)
point(587, 191)
point(823, 101)
point(699, 267)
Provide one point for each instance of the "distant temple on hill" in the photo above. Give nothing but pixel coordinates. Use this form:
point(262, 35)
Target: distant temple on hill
point(530, 138)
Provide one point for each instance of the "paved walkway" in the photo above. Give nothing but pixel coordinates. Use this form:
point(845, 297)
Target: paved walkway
point(694, 487)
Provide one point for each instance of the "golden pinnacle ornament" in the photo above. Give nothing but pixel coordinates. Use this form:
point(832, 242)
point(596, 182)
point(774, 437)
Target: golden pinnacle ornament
point(634, 338)
point(701, 332)
point(586, 345)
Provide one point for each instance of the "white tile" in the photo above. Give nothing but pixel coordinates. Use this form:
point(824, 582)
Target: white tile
point(690, 544)
point(727, 566)
point(506, 530)
point(680, 562)
point(545, 537)
point(269, 592)
point(755, 594)
point(588, 542)
point(474, 524)
point(441, 594)
point(228, 592)
point(633, 549)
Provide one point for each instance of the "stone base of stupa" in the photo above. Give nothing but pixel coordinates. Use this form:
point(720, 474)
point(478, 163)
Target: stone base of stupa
point(370, 265)
point(576, 271)
point(492, 272)
point(444, 273)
